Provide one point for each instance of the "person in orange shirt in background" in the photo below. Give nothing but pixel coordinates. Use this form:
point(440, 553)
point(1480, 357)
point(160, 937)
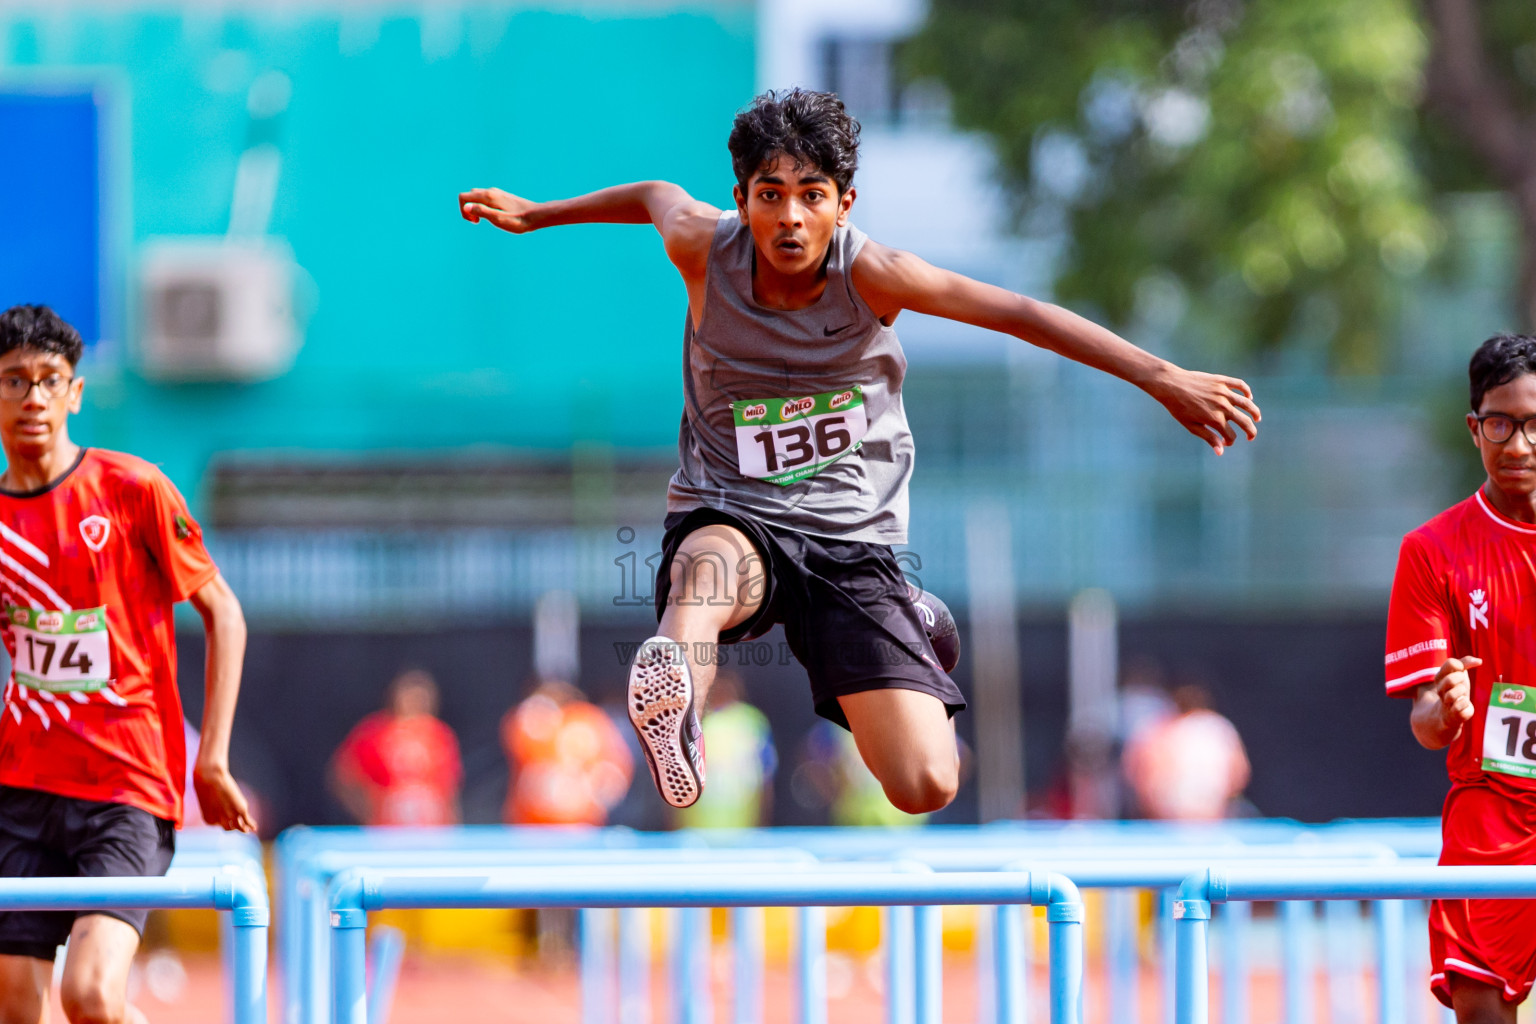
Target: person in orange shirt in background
point(401, 766)
point(1190, 766)
point(569, 762)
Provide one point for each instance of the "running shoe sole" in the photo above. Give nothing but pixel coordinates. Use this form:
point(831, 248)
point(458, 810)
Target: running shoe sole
point(661, 708)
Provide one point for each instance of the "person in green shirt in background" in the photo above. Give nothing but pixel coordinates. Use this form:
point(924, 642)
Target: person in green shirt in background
point(742, 760)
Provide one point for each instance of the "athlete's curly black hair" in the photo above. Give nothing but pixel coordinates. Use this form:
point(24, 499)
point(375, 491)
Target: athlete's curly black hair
point(40, 329)
point(1500, 360)
point(813, 127)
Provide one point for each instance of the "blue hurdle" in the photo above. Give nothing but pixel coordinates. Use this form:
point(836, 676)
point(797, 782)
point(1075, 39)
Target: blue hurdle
point(1385, 885)
point(353, 894)
point(1113, 855)
point(235, 891)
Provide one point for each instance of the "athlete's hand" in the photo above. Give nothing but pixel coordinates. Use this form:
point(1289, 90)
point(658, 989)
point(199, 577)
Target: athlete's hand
point(503, 209)
point(1453, 685)
point(219, 796)
point(1208, 404)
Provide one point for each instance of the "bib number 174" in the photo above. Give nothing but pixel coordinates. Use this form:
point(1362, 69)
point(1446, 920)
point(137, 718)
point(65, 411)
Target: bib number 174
point(61, 651)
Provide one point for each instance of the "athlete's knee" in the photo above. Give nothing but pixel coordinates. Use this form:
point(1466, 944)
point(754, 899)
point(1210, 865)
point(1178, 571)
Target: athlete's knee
point(926, 787)
point(93, 1002)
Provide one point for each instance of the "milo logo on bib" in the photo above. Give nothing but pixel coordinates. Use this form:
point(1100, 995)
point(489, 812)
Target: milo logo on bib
point(1509, 731)
point(785, 440)
point(61, 651)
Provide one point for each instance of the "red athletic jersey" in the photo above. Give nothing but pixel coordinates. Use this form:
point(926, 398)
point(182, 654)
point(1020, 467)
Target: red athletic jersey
point(409, 768)
point(89, 570)
point(1462, 582)
point(1462, 586)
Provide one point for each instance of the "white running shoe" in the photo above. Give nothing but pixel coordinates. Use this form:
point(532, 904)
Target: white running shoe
point(662, 710)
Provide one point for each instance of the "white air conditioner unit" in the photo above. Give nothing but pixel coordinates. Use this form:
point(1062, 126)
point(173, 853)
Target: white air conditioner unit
point(217, 309)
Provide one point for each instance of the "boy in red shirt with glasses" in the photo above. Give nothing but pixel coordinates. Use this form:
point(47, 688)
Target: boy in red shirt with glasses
point(1460, 646)
point(95, 549)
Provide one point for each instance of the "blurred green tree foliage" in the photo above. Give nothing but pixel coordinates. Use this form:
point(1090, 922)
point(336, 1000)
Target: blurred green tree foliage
point(1248, 168)
point(1479, 125)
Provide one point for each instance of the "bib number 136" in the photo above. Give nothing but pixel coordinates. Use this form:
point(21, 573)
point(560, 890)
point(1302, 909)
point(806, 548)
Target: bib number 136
point(61, 651)
point(1509, 732)
point(784, 440)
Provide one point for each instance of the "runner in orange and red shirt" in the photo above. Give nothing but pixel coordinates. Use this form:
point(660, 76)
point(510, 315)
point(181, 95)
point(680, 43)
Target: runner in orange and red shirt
point(1459, 644)
point(95, 549)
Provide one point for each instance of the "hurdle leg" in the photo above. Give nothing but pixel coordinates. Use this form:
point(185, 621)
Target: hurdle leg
point(1120, 945)
point(1235, 921)
point(1390, 955)
point(747, 964)
point(900, 966)
point(691, 979)
point(1064, 922)
point(595, 935)
point(1166, 942)
point(1011, 963)
point(1341, 921)
point(316, 976)
point(634, 966)
point(385, 951)
point(349, 966)
point(249, 941)
point(1296, 918)
point(928, 936)
point(1192, 982)
point(813, 965)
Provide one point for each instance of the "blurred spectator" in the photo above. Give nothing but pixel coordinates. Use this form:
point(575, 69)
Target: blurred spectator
point(1144, 698)
point(742, 760)
point(400, 766)
point(1190, 766)
point(570, 764)
point(832, 775)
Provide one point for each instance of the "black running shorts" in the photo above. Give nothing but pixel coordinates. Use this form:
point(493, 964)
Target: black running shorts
point(844, 606)
point(45, 835)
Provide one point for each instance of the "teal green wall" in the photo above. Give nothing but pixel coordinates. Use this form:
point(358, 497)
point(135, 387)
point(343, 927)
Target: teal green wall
point(429, 333)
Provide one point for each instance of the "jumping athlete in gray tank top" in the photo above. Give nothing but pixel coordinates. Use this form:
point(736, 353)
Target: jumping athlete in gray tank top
point(794, 452)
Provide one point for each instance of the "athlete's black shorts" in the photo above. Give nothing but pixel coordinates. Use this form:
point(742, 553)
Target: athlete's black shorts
point(844, 606)
point(45, 835)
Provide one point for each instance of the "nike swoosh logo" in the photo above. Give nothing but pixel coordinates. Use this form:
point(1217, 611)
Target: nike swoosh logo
point(829, 331)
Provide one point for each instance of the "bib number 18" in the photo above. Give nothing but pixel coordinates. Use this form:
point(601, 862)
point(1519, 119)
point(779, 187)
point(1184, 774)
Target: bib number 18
point(1509, 732)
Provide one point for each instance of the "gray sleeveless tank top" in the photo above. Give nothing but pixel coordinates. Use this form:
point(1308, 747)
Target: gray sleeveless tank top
point(765, 361)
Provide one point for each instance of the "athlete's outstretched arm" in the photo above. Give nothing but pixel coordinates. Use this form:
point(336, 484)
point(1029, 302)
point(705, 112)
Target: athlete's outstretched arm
point(218, 794)
point(1206, 404)
point(686, 224)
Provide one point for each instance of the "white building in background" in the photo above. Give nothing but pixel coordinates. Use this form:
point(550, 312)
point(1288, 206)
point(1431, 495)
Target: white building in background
point(922, 185)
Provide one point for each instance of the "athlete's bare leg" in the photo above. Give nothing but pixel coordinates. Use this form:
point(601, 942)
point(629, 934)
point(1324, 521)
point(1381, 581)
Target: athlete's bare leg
point(24, 982)
point(908, 741)
point(1477, 1002)
point(718, 580)
point(94, 989)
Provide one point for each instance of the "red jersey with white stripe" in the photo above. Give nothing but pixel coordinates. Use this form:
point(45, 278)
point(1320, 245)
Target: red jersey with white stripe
point(90, 568)
point(1466, 585)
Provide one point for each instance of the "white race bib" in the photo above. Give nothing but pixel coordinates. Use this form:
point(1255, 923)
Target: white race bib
point(785, 440)
point(1509, 731)
point(61, 651)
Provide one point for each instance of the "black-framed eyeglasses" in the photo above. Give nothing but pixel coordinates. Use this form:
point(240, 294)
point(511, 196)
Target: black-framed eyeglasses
point(14, 388)
point(1499, 428)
